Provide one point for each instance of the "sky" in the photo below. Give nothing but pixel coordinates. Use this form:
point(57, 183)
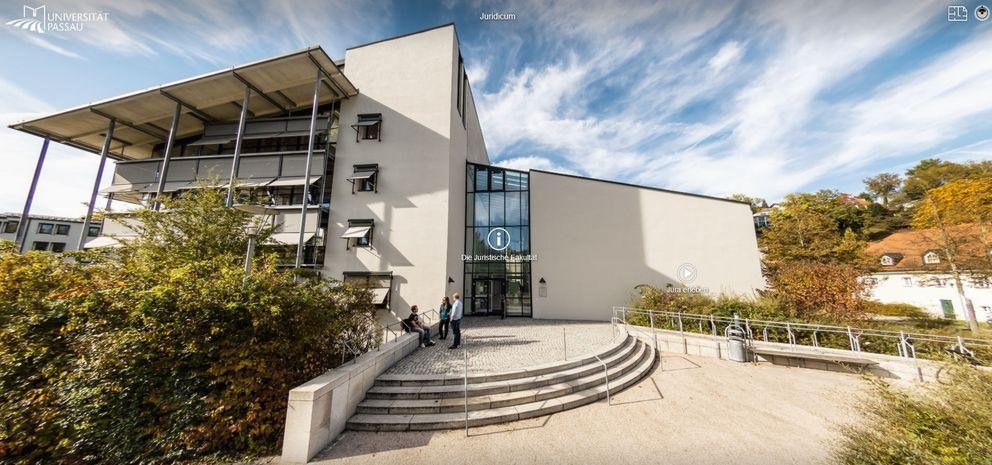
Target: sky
point(762, 98)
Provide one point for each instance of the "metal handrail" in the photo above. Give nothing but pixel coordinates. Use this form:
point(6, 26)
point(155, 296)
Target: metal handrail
point(465, 355)
point(606, 375)
point(907, 342)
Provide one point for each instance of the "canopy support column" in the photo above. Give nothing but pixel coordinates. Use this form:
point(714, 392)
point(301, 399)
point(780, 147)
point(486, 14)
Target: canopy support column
point(20, 236)
point(306, 186)
point(96, 183)
point(237, 147)
point(163, 173)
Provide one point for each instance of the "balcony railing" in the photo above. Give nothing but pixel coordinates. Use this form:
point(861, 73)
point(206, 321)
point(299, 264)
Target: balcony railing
point(254, 169)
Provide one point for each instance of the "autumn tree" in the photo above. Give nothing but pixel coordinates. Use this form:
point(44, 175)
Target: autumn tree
point(962, 202)
point(932, 173)
point(803, 228)
point(883, 185)
point(756, 203)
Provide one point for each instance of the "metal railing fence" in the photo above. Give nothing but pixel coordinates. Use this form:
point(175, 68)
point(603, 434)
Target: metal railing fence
point(872, 340)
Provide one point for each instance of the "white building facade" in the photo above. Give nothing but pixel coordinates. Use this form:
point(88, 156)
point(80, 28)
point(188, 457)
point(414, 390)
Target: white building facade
point(913, 268)
point(52, 233)
point(401, 195)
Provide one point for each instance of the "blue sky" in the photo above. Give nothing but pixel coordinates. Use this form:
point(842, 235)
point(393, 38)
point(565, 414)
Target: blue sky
point(763, 98)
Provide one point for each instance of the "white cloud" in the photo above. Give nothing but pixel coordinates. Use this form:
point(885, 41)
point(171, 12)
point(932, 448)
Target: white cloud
point(534, 163)
point(727, 55)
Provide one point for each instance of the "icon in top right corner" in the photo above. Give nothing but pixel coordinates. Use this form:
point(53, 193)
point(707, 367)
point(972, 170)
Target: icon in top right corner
point(981, 12)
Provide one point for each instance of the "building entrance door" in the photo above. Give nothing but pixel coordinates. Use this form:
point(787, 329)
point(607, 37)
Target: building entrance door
point(488, 296)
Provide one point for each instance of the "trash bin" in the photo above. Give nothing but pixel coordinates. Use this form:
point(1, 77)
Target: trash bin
point(737, 344)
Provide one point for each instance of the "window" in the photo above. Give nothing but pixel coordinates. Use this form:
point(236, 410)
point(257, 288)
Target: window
point(871, 281)
point(461, 86)
point(368, 127)
point(907, 281)
point(358, 234)
point(887, 261)
point(931, 258)
point(940, 282)
point(981, 283)
point(378, 283)
point(365, 178)
point(58, 247)
point(988, 313)
point(62, 229)
point(10, 227)
point(45, 228)
point(39, 246)
point(94, 231)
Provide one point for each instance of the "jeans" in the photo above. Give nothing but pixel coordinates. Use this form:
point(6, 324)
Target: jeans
point(425, 334)
point(456, 327)
point(442, 328)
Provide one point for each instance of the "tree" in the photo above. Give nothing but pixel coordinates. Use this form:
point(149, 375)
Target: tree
point(960, 203)
point(757, 203)
point(883, 185)
point(803, 229)
point(932, 173)
point(820, 291)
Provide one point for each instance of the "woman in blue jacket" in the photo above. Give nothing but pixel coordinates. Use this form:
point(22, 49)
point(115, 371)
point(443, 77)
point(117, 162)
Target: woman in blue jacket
point(445, 310)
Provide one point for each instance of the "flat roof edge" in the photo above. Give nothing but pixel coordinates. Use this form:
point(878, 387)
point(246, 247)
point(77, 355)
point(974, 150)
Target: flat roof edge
point(657, 189)
point(452, 24)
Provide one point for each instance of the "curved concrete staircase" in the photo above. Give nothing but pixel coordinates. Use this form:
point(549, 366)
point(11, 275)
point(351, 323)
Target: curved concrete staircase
point(429, 402)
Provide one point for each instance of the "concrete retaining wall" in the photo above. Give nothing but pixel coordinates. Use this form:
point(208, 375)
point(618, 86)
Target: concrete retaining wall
point(319, 409)
point(886, 366)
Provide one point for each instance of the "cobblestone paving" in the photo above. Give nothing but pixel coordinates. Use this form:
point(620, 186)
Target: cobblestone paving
point(498, 345)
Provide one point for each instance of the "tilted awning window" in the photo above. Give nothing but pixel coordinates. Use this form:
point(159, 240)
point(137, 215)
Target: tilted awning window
point(293, 181)
point(365, 178)
point(289, 238)
point(368, 126)
point(253, 182)
point(356, 232)
point(379, 295)
point(118, 188)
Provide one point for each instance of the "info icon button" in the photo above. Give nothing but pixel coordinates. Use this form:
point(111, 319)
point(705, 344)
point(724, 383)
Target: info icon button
point(981, 12)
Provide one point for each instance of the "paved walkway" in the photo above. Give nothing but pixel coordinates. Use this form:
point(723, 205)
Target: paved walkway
point(690, 410)
point(499, 345)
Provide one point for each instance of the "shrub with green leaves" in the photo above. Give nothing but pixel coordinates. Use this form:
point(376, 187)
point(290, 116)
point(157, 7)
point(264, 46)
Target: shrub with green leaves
point(162, 350)
point(947, 423)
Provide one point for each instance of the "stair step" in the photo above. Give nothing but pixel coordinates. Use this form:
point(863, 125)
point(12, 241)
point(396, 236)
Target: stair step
point(498, 387)
point(537, 370)
point(431, 421)
point(481, 402)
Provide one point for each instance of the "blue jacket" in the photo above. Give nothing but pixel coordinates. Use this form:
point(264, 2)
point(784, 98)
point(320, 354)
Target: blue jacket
point(445, 311)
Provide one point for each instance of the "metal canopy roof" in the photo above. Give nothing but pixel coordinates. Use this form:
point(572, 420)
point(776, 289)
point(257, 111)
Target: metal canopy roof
point(143, 117)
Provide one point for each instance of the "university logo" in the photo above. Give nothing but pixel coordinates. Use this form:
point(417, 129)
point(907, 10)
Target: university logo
point(35, 22)
point(39, 19)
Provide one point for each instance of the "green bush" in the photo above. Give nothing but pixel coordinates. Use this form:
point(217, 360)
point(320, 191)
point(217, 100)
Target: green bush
point(895, 309)
point(947, 424)
point(163, 350)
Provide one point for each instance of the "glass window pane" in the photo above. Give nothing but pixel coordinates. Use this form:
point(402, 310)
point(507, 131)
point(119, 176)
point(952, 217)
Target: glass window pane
point(513, 208)
point(481, 179)
point(470, 179)
point(524, 181)
point(497, 214)
point(481, 209)
point(469, 209)
point(496, 183)
point(524, 208)
point(525, 240)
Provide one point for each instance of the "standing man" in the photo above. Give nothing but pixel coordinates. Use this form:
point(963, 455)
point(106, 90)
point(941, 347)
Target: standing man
point(456, 321)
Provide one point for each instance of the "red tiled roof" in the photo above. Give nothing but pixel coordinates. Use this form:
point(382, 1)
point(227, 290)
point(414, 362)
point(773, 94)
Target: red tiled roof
point(909, 246)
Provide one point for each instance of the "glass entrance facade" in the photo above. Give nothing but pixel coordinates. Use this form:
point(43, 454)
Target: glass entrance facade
point(497, 242)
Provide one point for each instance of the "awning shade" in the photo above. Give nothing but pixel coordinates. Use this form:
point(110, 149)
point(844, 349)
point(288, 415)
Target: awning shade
point(356, 232)
point(171, 186)
point(102, 242)
point(117, 188)
point(379, 295)
point(289, 238)
point(361, 176)
point(293, 181)
point(253, 182)
point(286, 80)
point(219, 140)
point(367, 122)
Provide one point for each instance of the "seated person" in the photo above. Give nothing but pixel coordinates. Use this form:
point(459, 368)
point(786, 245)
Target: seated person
point(413, 323)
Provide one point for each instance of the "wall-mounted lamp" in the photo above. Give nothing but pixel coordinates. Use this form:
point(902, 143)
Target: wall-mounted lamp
point(542, 281)
point(451, 281)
